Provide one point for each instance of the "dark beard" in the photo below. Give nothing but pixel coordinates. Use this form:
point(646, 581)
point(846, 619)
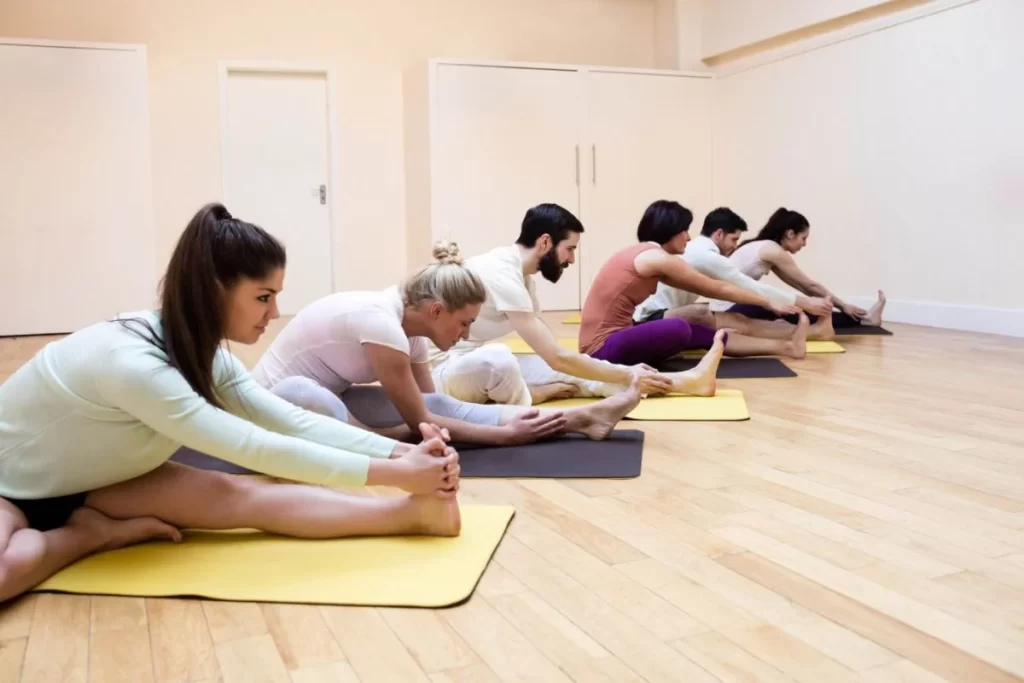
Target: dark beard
point(550, 268)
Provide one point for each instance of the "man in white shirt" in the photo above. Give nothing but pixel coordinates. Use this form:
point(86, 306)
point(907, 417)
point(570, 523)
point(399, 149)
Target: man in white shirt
point(708, 255)
point(477, 371)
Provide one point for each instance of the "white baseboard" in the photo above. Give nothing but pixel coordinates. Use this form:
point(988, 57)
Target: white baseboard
point(1006, 321)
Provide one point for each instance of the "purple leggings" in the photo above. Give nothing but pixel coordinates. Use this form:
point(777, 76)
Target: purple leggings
point(654, 342)
point(839, 319)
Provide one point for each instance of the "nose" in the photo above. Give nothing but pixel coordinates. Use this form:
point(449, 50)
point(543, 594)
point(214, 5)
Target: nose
point(275, 313)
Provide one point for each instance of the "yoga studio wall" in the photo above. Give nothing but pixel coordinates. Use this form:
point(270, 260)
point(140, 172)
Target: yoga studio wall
point(365, 44)
point(901, 142)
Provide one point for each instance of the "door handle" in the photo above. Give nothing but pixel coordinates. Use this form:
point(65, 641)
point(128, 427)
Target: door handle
point(323, 194)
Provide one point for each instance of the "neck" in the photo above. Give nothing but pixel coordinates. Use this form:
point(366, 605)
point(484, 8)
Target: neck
point(531, 261)
point(414, 323)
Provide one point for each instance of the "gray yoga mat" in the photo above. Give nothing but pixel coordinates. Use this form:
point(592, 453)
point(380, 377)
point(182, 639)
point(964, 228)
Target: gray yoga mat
point(862, 330)
point(756, 367)
point(572, 456)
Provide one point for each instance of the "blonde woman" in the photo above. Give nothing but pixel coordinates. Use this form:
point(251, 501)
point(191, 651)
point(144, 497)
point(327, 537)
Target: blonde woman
point(357, 338)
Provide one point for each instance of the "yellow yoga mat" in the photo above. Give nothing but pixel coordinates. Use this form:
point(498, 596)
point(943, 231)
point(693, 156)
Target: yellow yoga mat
point(572, 319)
point(404, 571)
point(519, 346)
point(725, 405)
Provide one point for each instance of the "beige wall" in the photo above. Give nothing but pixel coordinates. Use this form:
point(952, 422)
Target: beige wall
point(731, 24)
point(368, 42)
point(903, 148)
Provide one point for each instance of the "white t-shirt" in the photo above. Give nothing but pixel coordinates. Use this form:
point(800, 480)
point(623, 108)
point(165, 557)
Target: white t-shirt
point(508, 290)
point(104, 405)
point(704, 256)
point(324, 342)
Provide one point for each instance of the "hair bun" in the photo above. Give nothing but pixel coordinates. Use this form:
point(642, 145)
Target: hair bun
point(447, 253)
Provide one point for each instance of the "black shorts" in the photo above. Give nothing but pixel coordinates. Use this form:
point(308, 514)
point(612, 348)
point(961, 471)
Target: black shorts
point(44, 514)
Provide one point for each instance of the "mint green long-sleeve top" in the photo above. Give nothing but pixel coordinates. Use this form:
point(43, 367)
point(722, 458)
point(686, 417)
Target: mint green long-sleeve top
point(103, 405)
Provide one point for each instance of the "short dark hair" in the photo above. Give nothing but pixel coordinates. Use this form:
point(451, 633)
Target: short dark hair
point(663, 220)
point(547, 219)
point(723, 219)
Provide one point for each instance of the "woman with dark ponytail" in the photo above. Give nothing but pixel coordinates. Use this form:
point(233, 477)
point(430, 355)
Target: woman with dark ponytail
point(88, 426)
point(784, 234)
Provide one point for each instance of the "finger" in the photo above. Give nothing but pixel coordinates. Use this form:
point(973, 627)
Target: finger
point(446, 434)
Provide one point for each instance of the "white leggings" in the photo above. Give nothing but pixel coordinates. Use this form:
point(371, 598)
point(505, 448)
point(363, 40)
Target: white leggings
point(493, 373)
point(371, 406)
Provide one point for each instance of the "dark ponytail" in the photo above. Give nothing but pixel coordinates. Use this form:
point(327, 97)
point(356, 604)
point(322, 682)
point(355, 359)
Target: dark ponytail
point(782, 221)
point(213, 253)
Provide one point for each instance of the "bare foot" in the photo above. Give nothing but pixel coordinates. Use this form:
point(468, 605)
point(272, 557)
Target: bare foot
point(118, 533)
point(434, 516)
point(822, 329)
point(597, 420)
point(796, 347)
point(552, 392)
point(703, 379)
point(874, 316)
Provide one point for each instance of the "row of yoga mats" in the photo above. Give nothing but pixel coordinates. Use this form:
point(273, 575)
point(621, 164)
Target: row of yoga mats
point(400, 571)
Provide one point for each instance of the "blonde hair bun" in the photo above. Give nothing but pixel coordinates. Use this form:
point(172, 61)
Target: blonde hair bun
point(447, 253)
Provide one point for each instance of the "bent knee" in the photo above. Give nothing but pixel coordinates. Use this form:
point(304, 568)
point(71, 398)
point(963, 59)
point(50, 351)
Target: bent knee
point(499, 359)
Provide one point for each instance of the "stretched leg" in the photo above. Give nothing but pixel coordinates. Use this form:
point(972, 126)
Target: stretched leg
point(199, 499)
point(307, 394)
point(740, 346)
point(30, 556)
point(753, 327)
point(489, 373)
point(695, 314)
point(541, 377)
point(651, 342)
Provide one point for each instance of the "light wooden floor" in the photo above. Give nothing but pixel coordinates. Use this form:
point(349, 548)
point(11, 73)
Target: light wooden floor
point(866, 524)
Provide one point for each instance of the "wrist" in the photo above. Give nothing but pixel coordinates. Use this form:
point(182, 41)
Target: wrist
point(400, 449)
point(384, 473)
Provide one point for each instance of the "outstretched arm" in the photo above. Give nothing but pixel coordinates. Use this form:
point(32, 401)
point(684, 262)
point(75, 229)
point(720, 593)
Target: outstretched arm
point(721, 268)
point(675, 272)
point(245, 398)
point(784, 265)
point(146, 387)
point(542, 340)
point(394, 371)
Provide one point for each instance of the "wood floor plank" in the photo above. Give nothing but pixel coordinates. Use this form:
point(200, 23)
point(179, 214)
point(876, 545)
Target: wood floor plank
point(58, 644)
point(301, 636)
point(12, 655)
point(121, 655)
point(370, 646)
point(930, 652)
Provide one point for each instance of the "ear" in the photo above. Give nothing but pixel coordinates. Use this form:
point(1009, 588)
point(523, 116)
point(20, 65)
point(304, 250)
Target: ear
point(435, 310)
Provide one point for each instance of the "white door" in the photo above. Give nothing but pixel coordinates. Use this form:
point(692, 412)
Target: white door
point(76, 229)
point(276, 170)
point(507, 139)
point(650, 139)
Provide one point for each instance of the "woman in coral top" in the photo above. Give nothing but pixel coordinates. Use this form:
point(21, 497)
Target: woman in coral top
point(630, 276)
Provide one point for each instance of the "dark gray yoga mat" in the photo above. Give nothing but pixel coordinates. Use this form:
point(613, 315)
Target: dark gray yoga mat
point(572, 456)
point(735, 368)
point(862, 330)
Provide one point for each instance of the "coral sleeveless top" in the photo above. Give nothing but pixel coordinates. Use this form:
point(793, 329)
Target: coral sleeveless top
point(616, 292)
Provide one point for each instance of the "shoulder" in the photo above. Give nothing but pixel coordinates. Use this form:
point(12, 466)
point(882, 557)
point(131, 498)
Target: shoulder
point(768, 251)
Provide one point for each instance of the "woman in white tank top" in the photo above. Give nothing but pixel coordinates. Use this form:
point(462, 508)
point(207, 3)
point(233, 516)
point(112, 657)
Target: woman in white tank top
point(785, 234)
